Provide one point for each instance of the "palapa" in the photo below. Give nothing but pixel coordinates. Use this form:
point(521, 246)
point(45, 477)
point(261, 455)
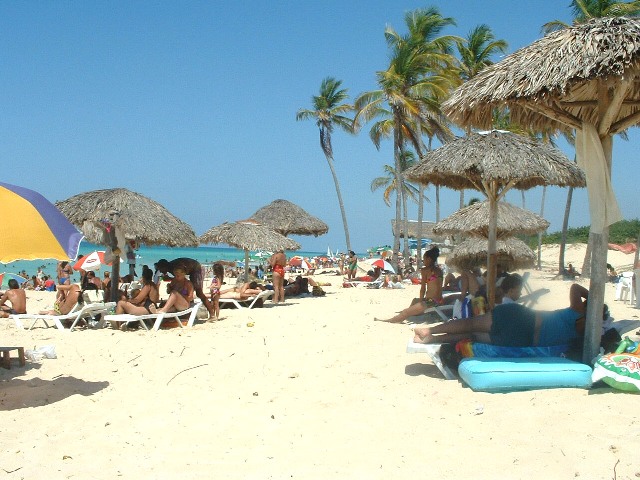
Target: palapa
point(140, 218)
point(511, 253)
point(288, 218)
point(493, 163)
point(132, 216)
point(248, 235)
point(585, 77)
point(474, 220)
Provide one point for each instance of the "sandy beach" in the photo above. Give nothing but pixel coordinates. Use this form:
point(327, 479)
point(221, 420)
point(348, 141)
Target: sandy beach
point(314, 389)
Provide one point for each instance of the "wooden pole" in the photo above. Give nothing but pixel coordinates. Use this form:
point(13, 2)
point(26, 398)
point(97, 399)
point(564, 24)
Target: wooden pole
point(491, 250)
point(246, 265)
point(593, 328)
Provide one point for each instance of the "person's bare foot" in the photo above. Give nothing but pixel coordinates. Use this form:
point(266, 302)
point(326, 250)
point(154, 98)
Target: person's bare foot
point(387, 320)
point(422, 335)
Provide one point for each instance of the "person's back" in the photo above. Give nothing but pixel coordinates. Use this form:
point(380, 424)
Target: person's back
point(16, 296)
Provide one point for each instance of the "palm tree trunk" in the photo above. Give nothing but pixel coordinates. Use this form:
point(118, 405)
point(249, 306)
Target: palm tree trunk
point(524, 203)
point(437, 203)
point(565, 226)
point(544, 193)
point(342, 211)
point(397, 140)
point(461, 199)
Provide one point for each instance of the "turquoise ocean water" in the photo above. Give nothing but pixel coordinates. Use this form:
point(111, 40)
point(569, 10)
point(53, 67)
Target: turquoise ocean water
point(146, 256)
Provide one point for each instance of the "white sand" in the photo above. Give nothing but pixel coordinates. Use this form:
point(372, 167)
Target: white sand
point(314, 390)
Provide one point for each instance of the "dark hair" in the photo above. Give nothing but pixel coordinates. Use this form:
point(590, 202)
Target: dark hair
point(511, 281)
point(162, 263)
point(253, 285)
point(13, 283)
point(147, 276)
point(433, 253)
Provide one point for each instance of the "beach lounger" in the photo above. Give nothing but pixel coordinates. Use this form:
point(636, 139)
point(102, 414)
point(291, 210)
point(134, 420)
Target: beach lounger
point(445, 312)
point(433, 350)
point(87, 311)
point(249, 302)
point(157, 318)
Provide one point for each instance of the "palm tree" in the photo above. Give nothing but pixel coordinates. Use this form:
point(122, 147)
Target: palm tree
point(584, 10)
point(418, 76)
point(328, 110)
point(388, 182)
point(476, 51)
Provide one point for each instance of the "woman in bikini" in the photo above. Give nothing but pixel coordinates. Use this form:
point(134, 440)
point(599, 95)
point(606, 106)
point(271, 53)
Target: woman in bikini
point(430, 288)
point(68, 296)
point(180, 292)
point(144, 302)
point(278, 261)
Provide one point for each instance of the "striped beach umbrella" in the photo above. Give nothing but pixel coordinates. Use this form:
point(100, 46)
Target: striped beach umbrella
point(33, 228)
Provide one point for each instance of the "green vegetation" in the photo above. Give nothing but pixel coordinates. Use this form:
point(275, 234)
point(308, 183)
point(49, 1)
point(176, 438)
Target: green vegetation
point(625, 231)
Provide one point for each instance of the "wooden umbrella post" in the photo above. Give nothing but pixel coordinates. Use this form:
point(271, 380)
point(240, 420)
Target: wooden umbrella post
point(491, 260)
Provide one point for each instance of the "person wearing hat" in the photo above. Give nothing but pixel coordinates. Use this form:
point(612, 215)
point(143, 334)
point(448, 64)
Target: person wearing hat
point(430, 289)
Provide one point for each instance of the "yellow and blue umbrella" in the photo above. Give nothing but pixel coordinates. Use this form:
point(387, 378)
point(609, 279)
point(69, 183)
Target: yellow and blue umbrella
point(33, 228)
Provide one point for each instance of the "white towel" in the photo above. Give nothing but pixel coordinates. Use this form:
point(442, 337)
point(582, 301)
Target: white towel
point(603, 205)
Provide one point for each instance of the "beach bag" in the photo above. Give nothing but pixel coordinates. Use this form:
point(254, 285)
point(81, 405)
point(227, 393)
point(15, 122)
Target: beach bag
point(317, 291)
point(463, 309)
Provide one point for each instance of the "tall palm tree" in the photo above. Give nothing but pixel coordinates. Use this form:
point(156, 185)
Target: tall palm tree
point(388, 183)
point(476, 52)
point(329, 111)
point(418, 76)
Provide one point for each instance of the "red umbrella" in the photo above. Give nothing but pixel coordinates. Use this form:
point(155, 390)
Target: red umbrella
point(93, 261)
point(383, 264)
point(298, 261)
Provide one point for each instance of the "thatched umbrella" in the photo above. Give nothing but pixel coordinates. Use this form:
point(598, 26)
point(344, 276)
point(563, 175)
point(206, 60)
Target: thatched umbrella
point(288, 218)
point(494, 162)
point(512, 253)
point(248, 235)
point(474, 220)
point(133, 216)
point(584, 77)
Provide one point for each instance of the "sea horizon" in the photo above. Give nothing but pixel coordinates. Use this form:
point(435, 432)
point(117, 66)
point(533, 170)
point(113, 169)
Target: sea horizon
point(148, 255)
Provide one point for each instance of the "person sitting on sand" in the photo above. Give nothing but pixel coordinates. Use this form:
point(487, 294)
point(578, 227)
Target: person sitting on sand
point(67, 298)
point(180, 291)
point(16, 296)
point(430, 288)
point(514, 325)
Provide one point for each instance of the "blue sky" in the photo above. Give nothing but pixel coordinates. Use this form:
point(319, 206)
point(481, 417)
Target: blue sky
point(193, 104)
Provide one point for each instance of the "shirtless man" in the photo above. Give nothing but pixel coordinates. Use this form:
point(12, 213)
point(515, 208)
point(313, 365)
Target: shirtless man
point(18, 300)
point(278, 261)
point(194, 270)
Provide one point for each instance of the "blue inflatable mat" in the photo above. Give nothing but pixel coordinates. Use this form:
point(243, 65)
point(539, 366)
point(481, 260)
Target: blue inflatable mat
point(513, 374)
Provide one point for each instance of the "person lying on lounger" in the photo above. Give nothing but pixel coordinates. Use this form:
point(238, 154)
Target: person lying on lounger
point(242, 292)
point(514, 325)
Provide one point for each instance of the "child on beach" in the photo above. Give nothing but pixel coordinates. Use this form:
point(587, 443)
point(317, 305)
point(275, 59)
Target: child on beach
point(214, 289)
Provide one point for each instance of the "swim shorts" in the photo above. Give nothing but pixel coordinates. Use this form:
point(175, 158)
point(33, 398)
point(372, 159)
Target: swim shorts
point(513, 325)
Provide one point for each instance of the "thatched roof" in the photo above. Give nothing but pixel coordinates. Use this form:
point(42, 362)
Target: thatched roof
point(427, 230)
point(140, 218)
point(497, 156)
point(512, 253)
point(558, 76)
point(474, 220)
point(288, 218)
point(248, 235)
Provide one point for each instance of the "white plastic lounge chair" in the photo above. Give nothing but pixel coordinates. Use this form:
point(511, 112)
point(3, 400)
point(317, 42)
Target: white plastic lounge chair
point(249, 302)
point(433, 350)
point(77, 314)
point(445, 312)
point(157, 318)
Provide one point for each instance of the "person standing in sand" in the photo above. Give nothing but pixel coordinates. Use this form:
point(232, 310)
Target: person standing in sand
point(278, 261)
point(192, 268)
point(16, 296)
